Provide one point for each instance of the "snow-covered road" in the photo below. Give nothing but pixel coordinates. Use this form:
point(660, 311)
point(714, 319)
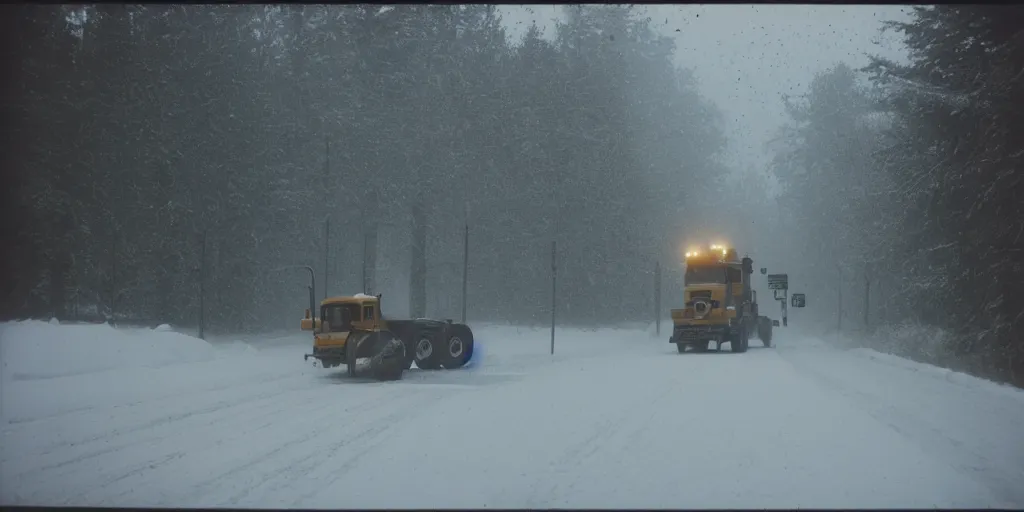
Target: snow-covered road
point(616, 419)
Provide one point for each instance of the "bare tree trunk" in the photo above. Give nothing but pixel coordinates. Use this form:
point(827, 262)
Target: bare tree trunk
point(60, 269)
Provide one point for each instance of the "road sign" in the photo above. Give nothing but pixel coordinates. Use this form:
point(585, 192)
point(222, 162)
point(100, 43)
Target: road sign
point(778, 281)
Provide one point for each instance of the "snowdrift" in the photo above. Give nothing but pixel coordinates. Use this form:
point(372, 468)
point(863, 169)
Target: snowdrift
point(39, 350)
point(942, 374)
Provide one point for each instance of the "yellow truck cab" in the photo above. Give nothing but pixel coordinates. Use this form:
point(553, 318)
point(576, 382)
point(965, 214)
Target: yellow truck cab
point(719, 304)
point(339, 317)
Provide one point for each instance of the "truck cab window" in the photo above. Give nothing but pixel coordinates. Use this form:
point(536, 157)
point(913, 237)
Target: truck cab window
point(704, 275)
point(339, 317)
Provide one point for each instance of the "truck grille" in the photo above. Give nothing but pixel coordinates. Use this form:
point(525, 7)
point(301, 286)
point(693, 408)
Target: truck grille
point(688, 335)
point(698, 333)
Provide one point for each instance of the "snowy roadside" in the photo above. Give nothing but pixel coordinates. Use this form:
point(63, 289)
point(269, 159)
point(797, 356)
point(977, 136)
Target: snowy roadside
point(49, 369)
point(970, 423)
point(921, 344)
point(614, 419)
point(34, 349)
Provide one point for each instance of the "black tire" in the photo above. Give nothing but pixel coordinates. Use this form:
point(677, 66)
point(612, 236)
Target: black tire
point(351, 352)
point(409, 347)
point(765, 329)
point(681, 347)
point(386, 354)
point(427, 352)
point(700, 346)
point(388, 358)
point(740, 341)
point(458, 347)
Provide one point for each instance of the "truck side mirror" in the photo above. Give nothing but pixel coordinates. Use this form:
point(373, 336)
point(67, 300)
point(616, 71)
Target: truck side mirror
point(775, 323)
point(798, 300)
point(764, 270)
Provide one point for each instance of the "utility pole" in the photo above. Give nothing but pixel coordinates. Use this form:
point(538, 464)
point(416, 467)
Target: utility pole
point(839, 309)
point(867, 297)
point(327, 251)
point(657, 298)
point(327, 219)
point(113, 274)
point(554, 281)
point(465, 269)
point(366, 237)
point(202, 293)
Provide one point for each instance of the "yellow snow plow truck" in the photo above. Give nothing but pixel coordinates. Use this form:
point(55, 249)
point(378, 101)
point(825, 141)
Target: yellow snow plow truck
point(720, 305)
point(352, 331)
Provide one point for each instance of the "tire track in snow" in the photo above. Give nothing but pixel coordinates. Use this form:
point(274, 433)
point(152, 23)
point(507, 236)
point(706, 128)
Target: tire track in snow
point(299, 472)
point(969, 462)
point(64, 414)
point(400, 419)
point(146, 441)
point(151, 437)
point(34, 485)
point(140, 479)
point(323, 425)
point(324, 452)
point(150, 428)
point(565, 472)
point(121, 475)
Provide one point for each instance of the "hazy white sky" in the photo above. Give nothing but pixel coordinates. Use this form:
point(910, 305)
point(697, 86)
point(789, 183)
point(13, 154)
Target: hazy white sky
point(747, 56)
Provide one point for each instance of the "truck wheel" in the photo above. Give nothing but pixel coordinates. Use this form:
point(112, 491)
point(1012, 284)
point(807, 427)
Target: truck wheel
point(351, 353)
point(458, 347)
point(765, 328)
point(681, 347)
point(700, 346)
point(388, 359)
point(740, 341)
point(410, 348)
point(427, 353)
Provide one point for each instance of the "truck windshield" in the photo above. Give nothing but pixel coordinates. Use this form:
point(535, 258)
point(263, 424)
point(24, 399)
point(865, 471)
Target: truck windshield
point(704, 275)
point(340, 316)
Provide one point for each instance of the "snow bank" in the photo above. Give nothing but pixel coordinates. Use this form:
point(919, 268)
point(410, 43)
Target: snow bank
point(944, 374)
point(919, 343)
point(41, 350)
point(914, 340)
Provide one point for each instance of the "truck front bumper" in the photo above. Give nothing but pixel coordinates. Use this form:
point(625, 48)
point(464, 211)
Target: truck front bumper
point(326, 353)
point(696, 333)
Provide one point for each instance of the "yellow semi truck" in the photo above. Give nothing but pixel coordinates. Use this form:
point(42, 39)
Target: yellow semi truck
point(720, 305)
